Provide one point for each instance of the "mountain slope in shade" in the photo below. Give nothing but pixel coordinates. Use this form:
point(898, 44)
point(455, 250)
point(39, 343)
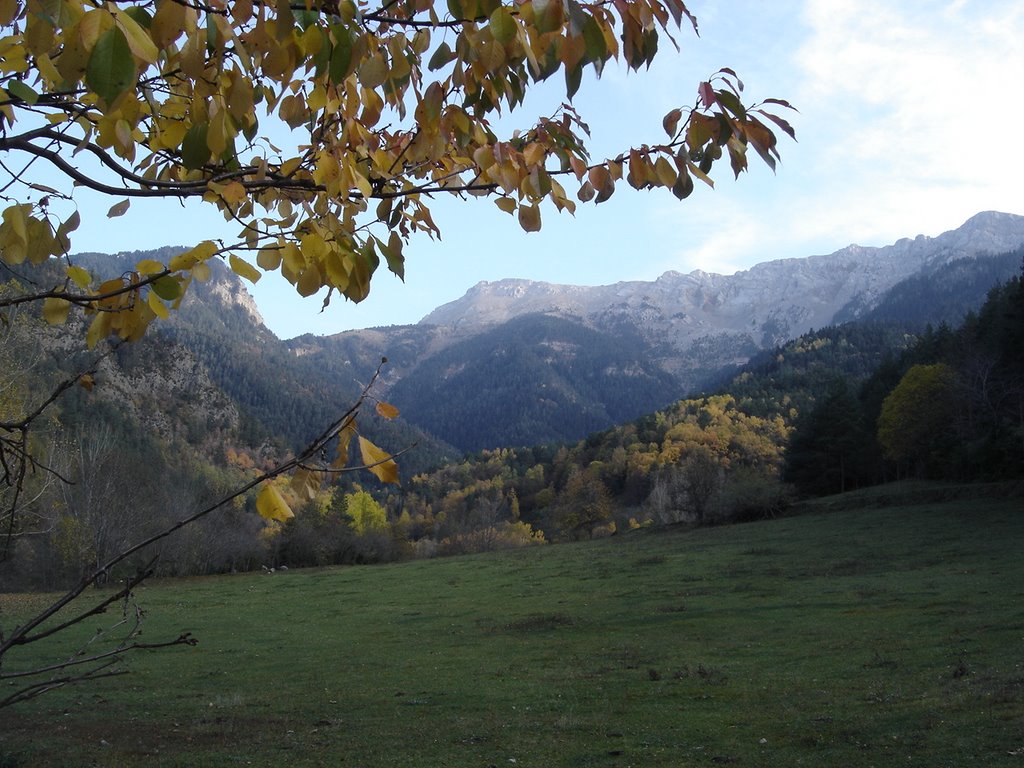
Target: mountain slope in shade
point(534, 379)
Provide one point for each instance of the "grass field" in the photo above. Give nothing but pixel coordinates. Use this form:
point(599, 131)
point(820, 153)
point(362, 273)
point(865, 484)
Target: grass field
point(852, 635)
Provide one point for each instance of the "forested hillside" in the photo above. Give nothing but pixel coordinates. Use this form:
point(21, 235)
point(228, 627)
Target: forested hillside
point(944, 294)
point(950, 407)
point(834, 410)
point(535, 379)
point(212, 396)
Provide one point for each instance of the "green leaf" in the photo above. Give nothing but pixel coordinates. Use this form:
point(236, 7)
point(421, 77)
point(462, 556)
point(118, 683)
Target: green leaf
point(683, 186)
point(167, 288)
point(731, 102)
point(20, 90)
point(140, 16)
point(582, 23)
point(441, 56)
point(341, 56)
point(111, 68)
point(486, 7)
point(597, 46)
point(573, 79)
point(393, 255)
point(503, 26)
point(195, 152)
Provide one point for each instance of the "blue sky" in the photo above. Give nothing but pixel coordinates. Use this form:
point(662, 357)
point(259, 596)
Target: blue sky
point(909, 114)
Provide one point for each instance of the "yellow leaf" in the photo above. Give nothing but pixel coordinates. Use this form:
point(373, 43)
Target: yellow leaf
point(98, 329)
point(362, 183)
point(270, 505)
point(233, 193)
point(168, 23)
point(201, 272)
point(48, 71)
point(309, 281)
point(378, 462)
point(373, 72)
point(344, 438)
point(16, 218)
point(55, 311)
point(86, 382)
point(218, 133)
point(269, 258)
point(149, 267)
point(288, 167)
point(158, 307)
point(171, 133)
point(666, 173)
point(534, 153)
point(79, 276)
point(387, 411)
point(8, 11)
point(306, 483)
point(242, 268)
point(113, 286)
point(507, 204)
point(190, 258)
point(92, 25)
point(138, 40)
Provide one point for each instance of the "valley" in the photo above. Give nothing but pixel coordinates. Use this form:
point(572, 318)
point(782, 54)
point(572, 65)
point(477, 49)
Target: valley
point(870, 628)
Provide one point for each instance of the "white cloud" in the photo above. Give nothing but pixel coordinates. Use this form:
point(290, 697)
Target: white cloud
point(913, 108)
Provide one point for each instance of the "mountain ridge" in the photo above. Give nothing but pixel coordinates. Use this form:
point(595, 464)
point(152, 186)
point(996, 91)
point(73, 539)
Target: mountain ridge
point(570, 360)
point(686, 304)
point(695, 327)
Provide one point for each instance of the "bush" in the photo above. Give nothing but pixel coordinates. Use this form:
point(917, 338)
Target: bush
point(750, 494)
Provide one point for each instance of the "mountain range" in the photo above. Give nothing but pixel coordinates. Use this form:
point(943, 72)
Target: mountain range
point(518, 362)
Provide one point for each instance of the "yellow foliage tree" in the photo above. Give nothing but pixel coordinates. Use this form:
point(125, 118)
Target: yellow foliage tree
point(917, 423)
point(365, 513)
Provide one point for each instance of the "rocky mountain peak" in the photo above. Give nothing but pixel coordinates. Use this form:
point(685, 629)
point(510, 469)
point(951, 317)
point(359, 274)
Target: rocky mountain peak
point(765, 305)
point(789, 295)
point(231, 292)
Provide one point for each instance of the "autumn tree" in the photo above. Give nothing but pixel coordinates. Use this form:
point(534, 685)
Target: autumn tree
point(917, 425)
point(583, 505)
point(322, 129)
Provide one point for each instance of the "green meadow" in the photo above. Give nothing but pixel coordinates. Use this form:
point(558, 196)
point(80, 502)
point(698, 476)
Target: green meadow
point(869, 630)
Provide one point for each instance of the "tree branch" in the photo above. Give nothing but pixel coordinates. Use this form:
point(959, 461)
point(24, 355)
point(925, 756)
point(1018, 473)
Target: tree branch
point(22, 634)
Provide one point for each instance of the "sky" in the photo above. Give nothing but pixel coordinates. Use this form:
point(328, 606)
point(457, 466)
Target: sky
point(907, 124)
